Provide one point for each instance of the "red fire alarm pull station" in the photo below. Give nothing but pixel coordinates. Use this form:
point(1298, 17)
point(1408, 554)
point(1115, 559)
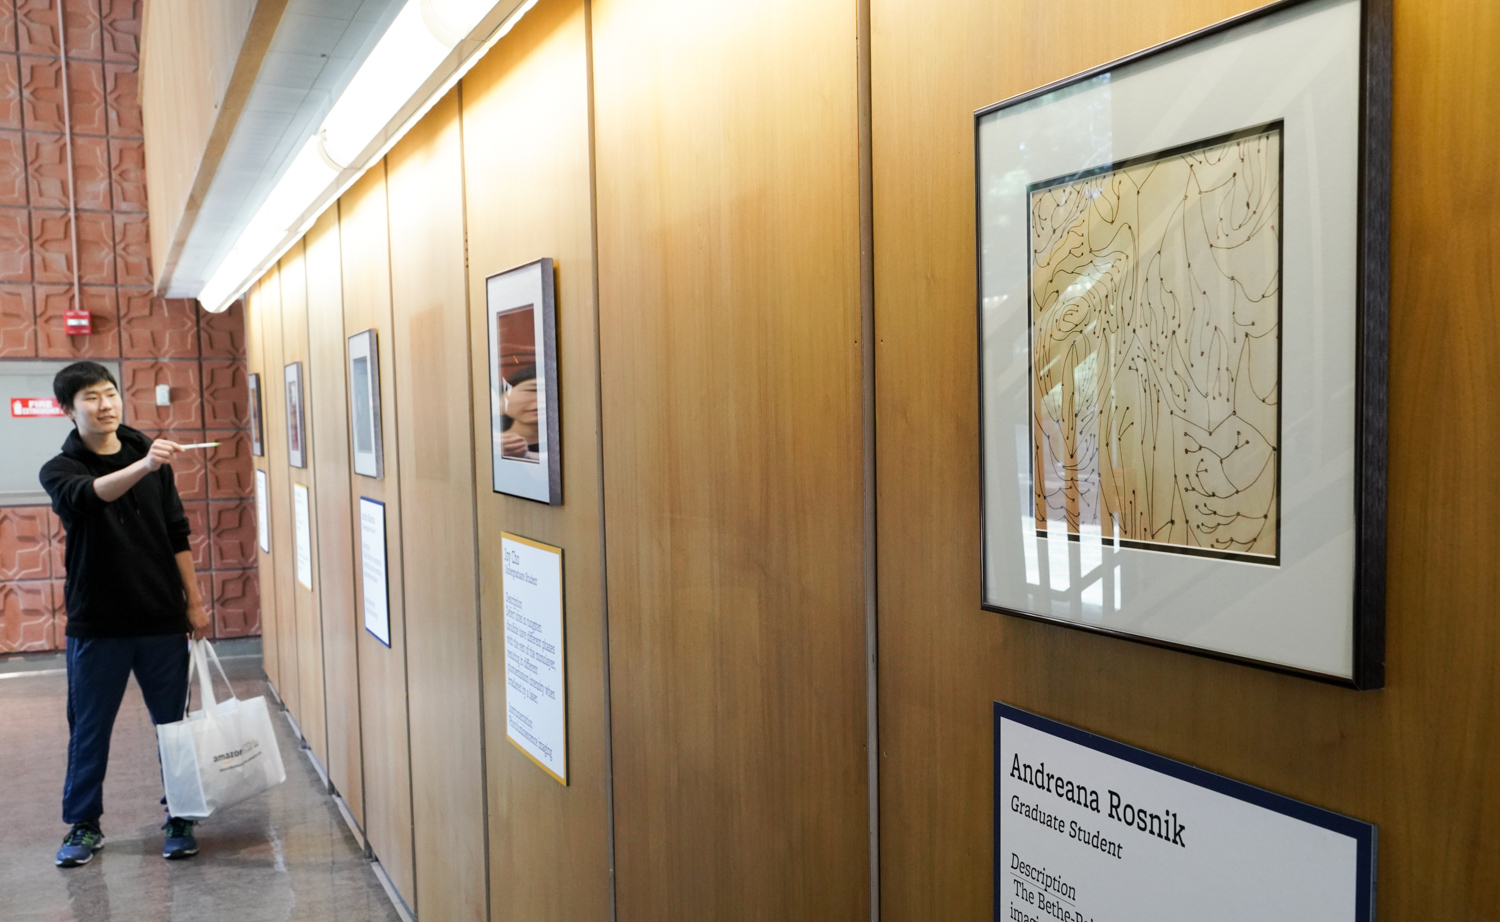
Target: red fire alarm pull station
point(78, 323)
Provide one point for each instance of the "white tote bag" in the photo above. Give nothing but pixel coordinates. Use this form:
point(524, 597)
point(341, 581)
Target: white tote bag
point(220, 755)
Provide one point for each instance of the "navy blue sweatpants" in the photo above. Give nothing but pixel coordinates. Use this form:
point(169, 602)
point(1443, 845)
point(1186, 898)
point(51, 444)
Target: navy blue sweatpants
point(98, 668)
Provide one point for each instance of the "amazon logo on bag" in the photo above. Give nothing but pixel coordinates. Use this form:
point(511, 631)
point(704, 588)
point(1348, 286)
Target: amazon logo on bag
point(249, 747)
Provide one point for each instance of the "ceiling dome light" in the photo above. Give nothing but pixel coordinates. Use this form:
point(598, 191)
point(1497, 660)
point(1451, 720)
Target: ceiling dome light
point(451, 21)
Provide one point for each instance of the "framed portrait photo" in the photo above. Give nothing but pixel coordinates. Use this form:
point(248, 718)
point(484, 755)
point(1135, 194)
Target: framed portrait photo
point(524, 434)
point(296, 424)
point(364, 405)
point(257, 433)
point(1182, 262)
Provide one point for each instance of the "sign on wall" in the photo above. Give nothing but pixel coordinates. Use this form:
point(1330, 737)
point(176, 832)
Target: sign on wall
point(302, 521)
point(372, 572)
point(262, 511)
point(536, 706)
point(1088, 829)
point(33, 407)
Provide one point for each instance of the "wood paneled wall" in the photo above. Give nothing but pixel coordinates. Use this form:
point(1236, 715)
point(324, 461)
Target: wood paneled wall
point(258, 362)
point(306, 608)
point(328, 402)
point(364, 240)
point(694, 170)
point(431, 324)
point(549, 855)
point(1419, 757)
point(727, 169)
point(281, 630)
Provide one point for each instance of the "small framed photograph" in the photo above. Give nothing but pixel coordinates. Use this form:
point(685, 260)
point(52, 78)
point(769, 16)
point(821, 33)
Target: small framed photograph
point(257, 435)
point(1182, 308)
point(364, 404)
point(523, 383)
point(296, 426)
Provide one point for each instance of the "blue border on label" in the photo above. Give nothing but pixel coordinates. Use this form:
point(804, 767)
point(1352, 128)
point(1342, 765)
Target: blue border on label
point(1364, 834)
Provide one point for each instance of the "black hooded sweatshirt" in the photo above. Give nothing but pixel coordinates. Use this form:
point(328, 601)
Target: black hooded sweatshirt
point(122, 576)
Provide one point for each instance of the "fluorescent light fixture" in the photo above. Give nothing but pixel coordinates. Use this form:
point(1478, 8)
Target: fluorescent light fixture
point(308, 175)
point(397, 67)
point(428, 40)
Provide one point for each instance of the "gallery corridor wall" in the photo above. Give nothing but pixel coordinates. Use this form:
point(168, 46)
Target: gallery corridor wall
point(327, 402)
point(302, 617)
point(1418, 757)
point(695, 172)
point(436, 455)
point(728, 181)
point(548, 844)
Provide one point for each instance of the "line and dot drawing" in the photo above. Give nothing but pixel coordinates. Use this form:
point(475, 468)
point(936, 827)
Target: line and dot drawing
point(1155, 324)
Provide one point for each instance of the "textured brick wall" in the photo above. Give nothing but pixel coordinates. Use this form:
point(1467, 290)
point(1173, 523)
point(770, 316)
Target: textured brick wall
point(201, 356)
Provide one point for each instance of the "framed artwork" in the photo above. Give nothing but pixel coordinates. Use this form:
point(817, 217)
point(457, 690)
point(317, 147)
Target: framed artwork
point(296, 427)
point(1182, 343)
point(257, 435)
point(364, 407)
point(524, 434)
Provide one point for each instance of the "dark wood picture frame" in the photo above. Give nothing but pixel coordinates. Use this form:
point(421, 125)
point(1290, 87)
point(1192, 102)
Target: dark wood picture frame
point(296, 416)
point(366, 444)
point(542, 482)
point(257, 424)
point(1371, 347)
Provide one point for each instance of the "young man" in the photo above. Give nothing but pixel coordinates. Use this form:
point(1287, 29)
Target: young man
point(131, 592)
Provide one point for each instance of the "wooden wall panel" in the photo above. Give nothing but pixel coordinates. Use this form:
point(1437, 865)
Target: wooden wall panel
point(364, 243)
point(257, 362)
point(425, 183)
point(328, 403)
point(273, 398)
point(727, 175)
point(188, 54)
point(549, 844)
point(308, 608)
point(198, 63)
point(1420, 757)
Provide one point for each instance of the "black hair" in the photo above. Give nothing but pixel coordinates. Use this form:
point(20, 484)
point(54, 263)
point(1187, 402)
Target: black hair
point(77, 376)
point(522, 376)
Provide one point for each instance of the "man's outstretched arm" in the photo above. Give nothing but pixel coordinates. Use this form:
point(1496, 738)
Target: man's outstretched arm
point(111, 487)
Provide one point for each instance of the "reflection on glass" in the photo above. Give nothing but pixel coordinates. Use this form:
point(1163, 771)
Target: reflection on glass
point(364, 430)
point(255, 425)
point(521, 438)
point(294, 415)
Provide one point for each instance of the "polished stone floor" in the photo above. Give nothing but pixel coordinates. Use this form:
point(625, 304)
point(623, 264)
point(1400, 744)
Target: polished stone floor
point(286, 855)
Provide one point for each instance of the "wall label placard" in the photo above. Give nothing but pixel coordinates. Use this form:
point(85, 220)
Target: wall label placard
point(373, 569)
point(536, 703)
point(1088, 829)
point(302, 520)
point(262, 511)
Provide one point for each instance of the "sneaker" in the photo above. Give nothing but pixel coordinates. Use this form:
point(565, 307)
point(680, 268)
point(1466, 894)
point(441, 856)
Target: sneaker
point(78, 848)
point(180, 842)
